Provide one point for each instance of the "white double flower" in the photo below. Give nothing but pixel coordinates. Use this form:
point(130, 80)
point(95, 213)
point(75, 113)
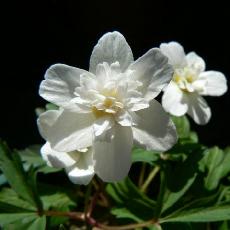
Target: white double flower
point(190, 82)
point(104, 111)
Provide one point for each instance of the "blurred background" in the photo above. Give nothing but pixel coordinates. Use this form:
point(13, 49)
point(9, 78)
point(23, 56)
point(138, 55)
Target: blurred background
point(37, 34)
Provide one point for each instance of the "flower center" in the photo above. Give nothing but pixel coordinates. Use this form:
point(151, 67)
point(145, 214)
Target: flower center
point(108, 105)
point(184, 79)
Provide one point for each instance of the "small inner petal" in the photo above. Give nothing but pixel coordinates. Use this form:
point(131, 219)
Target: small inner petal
point(109, 106)
point(185, 78)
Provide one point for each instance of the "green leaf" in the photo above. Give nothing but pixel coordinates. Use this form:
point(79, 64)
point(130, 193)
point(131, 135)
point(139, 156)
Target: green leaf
point(125, 213)
point(127, 196)
point(9, 196)
point(216, 164)
point(57, 198)
point(16, 213)
point(10, 208)
point(28, 223)
point(154, 227)
point(11, 166)
point(32, 155)
point(141, 155)
point(224, 225)
point(47, 169)
point(193, 138)
point(171, 197)
point(184, 226)
point(2, 179)
point(38, 223)
point(211, 214)
point(182, 126)
point(15, 210)
point(179, 178)
point(181, 151)
point(6, 218)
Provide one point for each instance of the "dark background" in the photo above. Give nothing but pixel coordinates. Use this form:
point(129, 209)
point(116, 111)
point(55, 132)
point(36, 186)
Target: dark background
point(37, 34)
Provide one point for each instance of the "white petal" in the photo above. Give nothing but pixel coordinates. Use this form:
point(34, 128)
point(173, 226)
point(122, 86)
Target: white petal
point(112, 47)
point(134, 101)
point(124, 118)
point(83, 171)
point(102, 72)
point(69, 132)
point(59, 159)
point(215, 83)
point(173, 100)
point(198, 109)
point(195, 62)
point(46, 120)
point(88, 82)
point(112, 154)
point(60, 83)
point(155, 130)
point(153, 71)
point(175, 53)
point(102, 124)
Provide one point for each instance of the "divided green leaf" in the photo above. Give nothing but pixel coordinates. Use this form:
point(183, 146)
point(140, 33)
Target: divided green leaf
point(216, 165)
point(141, 155)
point(12, 168)
point(130, 202)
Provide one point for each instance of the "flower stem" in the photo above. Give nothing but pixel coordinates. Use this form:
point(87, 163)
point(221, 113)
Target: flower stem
point(81, 217)
point(87, 197)
point(150, 178)
point(128, 226)
point(160, 197)
point(142, 174)
point(72, 215)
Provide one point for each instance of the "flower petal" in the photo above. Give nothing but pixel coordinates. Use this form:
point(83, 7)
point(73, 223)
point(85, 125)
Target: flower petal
point(125, 118)
point(173, 100)
point(58, 159)
point(71, 131)
point(153, 71)
point(195, 62)
point(60, 83)
point(112, 47)
point(46, 120)
point(175, 53)
point(102, 124)
point(83, 171)
point(215, 83)
point(155, 130)
point(112, 153)
point(198, 109)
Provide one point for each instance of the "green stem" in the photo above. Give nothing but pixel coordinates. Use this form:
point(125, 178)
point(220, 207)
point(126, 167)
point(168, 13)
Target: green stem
point(150, 178)
point(126, 227)
point(142, 174)
point(160, 197)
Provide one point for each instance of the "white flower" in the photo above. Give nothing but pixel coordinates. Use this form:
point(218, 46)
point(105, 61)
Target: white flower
point(190, 81)
point(108, 107)
point(78, 165)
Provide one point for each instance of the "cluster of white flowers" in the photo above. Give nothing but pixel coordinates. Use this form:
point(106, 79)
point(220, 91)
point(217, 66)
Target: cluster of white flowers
point(104, 111)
